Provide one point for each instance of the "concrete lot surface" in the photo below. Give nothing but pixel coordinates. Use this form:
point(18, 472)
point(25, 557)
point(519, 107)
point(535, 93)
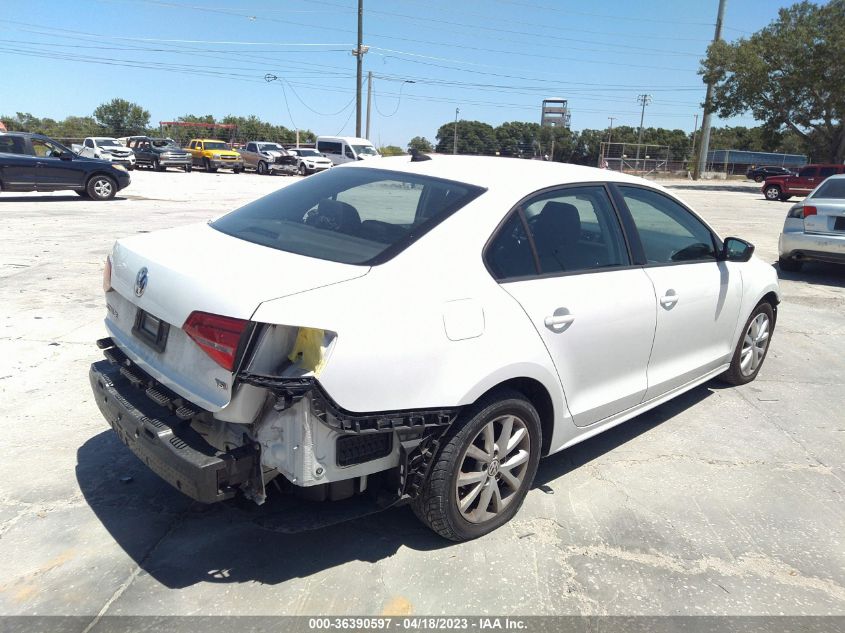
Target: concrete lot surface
point(723, 501)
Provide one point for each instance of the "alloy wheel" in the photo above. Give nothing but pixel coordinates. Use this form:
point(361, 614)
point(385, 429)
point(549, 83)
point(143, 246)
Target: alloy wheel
point(102, 188)
point(754, 344)
point(493, 468)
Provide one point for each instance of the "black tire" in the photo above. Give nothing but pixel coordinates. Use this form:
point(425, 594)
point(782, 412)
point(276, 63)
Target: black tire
point(236, 171)
point(262, 168)
point(187, 169)
point(772, 193)
point(130, 168)
point(302, 170)
point(789, 265)
point(101, 187)
point(759, 178)
point(157, 165)
point(735, 375)
point(784, 198)
point(207, 165)
point(437, 503)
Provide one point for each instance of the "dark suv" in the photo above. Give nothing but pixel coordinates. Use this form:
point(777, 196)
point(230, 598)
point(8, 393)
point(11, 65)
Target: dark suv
point(808, 178)
point(759, 174)
point(159, 153)
point(33, 162)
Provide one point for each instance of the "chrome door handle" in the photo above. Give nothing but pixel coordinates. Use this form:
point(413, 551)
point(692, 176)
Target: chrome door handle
point(559, 320)
point(669, 300)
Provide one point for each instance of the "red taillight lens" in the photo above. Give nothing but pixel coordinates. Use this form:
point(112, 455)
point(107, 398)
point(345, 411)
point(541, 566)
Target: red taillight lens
point(217, 335)
point(107, 275)
point(810, 211)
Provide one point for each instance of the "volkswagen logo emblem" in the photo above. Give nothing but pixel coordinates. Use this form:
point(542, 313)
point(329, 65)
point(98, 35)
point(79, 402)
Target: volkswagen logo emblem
point(141, 281)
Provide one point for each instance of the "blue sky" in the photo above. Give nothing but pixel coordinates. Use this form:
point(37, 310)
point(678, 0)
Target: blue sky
point(494, 59)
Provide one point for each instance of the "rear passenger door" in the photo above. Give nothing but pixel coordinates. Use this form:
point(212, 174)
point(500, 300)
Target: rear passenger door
point(17, 164)
point(698, 296)
point(563, 256)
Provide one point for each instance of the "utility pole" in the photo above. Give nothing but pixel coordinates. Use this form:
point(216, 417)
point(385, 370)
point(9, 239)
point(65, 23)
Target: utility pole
point(610, 134)
point(701, 164)
point(694, 134)
point(455, 140)
point(369, 99)
point(359, 54)
point(643, 100)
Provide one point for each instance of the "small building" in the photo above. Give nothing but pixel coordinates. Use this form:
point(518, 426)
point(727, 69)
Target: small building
point(735, 161)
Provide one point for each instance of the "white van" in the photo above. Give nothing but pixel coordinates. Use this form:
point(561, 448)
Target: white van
point(345, 149)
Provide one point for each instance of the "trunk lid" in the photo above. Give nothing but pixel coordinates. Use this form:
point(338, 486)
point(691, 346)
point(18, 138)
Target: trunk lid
point(829, 217)
point(197, 268)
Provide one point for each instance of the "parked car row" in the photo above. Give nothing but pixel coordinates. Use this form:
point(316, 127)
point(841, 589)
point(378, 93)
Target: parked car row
point(98, 167)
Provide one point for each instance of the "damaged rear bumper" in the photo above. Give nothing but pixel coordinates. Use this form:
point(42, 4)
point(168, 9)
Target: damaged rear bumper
point(165, 442)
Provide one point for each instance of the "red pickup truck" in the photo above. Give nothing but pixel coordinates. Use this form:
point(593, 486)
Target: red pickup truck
point(809, 177)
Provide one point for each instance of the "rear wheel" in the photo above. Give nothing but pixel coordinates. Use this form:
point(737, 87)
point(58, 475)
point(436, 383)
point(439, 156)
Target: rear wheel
point(101, 188)
point(752, 347)
point(772, 192)
point(789, 265)
point(759, 178)
point(484, 469)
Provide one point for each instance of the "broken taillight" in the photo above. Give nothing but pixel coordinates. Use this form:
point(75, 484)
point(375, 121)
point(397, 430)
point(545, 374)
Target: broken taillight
point(217, 335)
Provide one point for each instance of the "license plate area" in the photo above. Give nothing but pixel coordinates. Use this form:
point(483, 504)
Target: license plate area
point(151, 330)
point(839, 224)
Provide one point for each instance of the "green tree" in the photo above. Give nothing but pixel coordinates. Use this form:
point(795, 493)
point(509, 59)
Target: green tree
point(391, 150)
point(788, 75)
point(120, 117)
point(421, 144)
point(474, 137)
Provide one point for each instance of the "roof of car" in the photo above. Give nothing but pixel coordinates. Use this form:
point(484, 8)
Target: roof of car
point(492, 172)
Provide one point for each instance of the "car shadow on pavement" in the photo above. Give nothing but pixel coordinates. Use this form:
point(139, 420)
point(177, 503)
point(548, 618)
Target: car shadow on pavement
point(560, 464)
point(51, 199)
point(818, 273)
point(181, 543)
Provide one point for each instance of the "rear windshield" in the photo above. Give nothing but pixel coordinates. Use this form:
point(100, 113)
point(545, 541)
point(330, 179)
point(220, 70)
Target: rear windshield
point(831, 188)
point(349, 215)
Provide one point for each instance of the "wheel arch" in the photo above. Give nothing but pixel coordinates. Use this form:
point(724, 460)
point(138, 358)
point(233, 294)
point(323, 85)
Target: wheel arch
point(538, 395)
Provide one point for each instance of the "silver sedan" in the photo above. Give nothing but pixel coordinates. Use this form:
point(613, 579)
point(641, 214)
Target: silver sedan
point(815, 228)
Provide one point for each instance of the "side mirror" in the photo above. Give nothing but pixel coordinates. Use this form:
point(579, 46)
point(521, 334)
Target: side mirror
point(736, 250)
point(66, 156)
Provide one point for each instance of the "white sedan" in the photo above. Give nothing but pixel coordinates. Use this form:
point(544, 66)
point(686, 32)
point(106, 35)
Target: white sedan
point(419, 330)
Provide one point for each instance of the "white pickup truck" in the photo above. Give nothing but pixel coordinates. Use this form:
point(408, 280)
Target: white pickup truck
point(106, 148)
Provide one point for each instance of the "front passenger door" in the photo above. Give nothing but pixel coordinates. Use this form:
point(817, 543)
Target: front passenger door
point(54, 172)
point(698, 297)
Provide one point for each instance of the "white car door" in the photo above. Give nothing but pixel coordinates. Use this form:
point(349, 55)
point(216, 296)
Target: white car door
point(563, 256)
point(698, 296)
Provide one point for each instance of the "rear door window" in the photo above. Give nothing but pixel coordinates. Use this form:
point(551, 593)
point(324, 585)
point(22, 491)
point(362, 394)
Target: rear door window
point(12, 145)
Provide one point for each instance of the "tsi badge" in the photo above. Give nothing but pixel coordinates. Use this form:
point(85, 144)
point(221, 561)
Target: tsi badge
point(141, 281)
